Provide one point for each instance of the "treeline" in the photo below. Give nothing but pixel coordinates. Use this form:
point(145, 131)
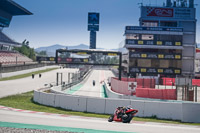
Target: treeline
point(26, 50)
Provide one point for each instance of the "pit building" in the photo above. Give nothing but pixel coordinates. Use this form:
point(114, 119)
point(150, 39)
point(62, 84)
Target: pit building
point(164, 43)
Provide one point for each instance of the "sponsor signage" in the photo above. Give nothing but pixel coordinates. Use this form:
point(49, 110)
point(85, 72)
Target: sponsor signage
point(160, 12)
point(93, 21)
point(81, 53)
point(170, 71)
point(88, 57)
point(176, 12)
point(73, 60)
point(93, 18)
point(93, 27)
point(152, 42)
point(38, 58)
point(142, 55)
point(154, 28)
point(112, 54)
point(184, 13)
point(132, 86)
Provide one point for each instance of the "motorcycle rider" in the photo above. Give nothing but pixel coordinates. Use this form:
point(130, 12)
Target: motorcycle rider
point(93, 82)
point(121, 111)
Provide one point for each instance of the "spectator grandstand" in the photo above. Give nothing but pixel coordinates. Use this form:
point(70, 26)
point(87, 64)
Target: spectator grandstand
point(8, 57)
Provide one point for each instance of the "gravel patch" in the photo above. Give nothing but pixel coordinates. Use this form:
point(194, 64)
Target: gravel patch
point(26, 130)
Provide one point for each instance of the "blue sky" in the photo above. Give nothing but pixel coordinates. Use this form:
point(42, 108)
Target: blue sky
point(65, 21)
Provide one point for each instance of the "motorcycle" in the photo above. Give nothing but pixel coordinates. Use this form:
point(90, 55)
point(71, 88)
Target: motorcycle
point(123, 114)
point(93, 82)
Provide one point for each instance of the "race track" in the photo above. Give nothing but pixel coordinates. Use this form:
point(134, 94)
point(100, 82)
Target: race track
point(100, 125)
point(87, 88)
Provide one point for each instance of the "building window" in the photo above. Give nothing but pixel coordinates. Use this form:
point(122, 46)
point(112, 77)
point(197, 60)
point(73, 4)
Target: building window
point(132, 36)
point(170, 38)
point(150, 24)
point(168, 24)
point(6, 48)
point(147, 37)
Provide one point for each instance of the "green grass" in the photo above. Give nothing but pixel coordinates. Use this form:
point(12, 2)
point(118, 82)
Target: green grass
point(27, 74)
point(25, 101)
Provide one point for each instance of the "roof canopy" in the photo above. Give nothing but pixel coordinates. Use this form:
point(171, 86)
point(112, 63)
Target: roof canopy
point(13, 8)
point(5, 40)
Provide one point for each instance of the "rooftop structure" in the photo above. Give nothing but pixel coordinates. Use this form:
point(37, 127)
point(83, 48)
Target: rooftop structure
point(165, 40)
point(8, 9)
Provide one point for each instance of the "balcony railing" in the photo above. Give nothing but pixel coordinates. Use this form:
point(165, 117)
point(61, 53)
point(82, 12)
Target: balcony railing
point(153, 42)
point(146, 55)
point(146, 70)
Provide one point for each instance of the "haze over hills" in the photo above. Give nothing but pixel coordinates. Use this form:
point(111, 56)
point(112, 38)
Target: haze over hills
point(51, 50)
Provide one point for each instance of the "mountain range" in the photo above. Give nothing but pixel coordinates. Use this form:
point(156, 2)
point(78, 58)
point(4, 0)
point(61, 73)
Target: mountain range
point(51, 50)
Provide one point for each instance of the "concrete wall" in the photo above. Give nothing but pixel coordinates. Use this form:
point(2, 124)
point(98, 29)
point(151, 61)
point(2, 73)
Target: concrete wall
point(191, 112)
point(186, 112)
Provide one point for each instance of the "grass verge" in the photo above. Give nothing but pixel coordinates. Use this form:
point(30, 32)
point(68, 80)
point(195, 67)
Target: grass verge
point(27, 74)
point(25, 101)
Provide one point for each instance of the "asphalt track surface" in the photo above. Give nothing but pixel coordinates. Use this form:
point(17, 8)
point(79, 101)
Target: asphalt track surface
point(89, 125)
point(11, 87)
point(87, 88)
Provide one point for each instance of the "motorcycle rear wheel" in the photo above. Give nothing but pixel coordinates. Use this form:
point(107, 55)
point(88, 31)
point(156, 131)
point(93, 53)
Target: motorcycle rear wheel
point(128, 119)
point(110, 119)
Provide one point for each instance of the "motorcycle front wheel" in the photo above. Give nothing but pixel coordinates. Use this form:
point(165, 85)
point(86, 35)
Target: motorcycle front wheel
point(110, 119)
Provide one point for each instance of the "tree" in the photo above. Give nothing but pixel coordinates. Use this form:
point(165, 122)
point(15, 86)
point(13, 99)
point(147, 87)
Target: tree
point(26, 50)
point(42, 53)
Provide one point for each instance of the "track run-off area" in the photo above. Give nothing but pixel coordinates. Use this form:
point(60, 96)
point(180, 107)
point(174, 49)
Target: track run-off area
point(37, 120)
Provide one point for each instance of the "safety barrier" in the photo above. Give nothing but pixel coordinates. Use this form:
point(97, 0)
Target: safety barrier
point(122, 86)
point(196, 82)
point(168, 81)
point(147, 92)
point(163, 110)
point(141, 82)
point(171, 81)
point(165, 94)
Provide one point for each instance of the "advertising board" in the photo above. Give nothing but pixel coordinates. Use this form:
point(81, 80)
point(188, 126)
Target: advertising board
point(93, 18)
point(168, 12)
point(40, 58)
point(93, 27)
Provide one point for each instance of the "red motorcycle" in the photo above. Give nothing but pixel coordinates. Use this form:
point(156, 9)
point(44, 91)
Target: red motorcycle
point(123, 114)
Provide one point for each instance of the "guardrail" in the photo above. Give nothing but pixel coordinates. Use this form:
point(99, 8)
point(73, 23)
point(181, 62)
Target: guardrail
point(59, 89)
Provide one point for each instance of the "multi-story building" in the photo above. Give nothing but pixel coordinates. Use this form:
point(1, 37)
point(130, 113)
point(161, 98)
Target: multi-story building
point(164, 42)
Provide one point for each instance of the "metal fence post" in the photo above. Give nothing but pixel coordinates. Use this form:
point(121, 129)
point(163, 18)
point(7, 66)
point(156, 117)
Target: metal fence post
point(68, 78)
point(196, 93)
point(61, 74)
point(57, 79)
